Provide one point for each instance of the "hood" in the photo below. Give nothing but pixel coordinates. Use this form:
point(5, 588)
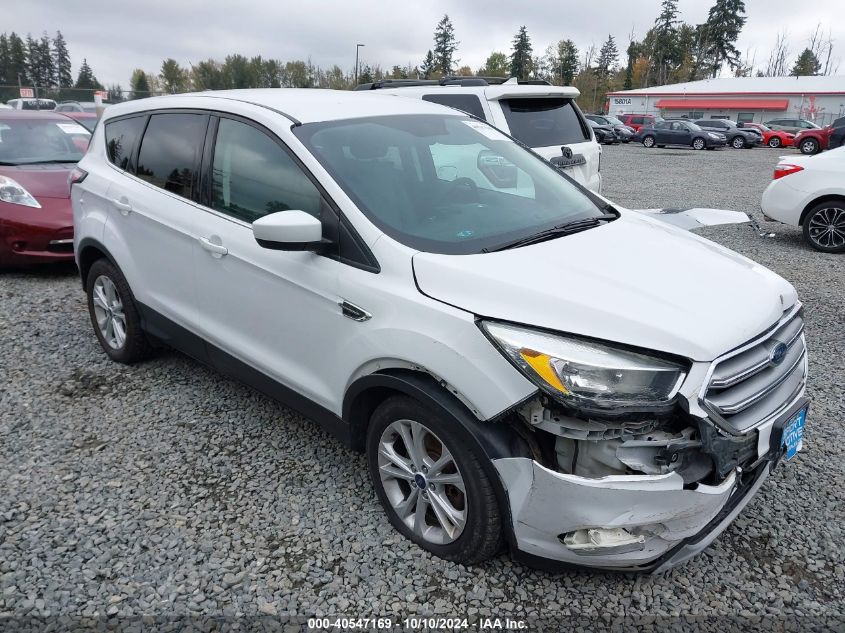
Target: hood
point(635, 281)
point(42, 181)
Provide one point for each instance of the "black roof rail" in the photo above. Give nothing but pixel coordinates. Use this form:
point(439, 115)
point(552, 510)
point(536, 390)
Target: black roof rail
point(448, 80)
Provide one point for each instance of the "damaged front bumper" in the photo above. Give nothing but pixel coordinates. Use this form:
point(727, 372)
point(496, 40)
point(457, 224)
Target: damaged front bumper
point(670, 523)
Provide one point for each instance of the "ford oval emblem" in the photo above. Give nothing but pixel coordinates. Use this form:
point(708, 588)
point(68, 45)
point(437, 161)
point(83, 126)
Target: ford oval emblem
point(566, 152)
point(777, 354)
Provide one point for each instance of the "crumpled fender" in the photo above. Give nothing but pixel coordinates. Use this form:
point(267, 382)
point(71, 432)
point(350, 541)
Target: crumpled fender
point(696, 218)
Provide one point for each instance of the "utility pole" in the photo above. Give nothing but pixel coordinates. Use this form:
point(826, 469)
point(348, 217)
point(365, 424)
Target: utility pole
point(357, 48)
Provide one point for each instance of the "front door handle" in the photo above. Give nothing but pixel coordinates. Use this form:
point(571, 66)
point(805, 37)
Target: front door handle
point(124, 207)
point(217, 250)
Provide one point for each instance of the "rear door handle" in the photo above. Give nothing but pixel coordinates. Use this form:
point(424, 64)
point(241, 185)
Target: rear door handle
point(215, 249)
point(124, 207)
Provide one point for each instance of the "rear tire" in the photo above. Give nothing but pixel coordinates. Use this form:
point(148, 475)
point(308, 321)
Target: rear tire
point(648, 141)
point(405, 443)
point(114, 315)
point(737, 142)
point(774, 142)
point(824, 227)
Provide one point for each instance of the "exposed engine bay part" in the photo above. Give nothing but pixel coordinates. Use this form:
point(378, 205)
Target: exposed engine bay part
point(598, 448)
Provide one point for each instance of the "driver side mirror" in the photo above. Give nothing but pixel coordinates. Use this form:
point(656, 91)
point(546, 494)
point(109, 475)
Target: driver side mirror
point(292, 230)
point(501, 173)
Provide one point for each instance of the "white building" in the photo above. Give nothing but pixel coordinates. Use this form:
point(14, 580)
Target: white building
point(747, 99)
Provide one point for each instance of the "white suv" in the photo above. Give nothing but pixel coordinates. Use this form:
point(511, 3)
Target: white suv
point(522, 362)
point(537, 114)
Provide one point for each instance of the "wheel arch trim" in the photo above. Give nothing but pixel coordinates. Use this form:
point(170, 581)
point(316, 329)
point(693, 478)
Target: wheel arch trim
point(829, 197)
point(86, 245)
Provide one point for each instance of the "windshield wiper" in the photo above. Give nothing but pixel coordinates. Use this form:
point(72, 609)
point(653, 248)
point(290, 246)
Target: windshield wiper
point(567, 228)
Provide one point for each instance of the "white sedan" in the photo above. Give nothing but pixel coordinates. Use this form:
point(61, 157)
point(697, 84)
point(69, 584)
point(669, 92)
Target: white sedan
point(809, 191)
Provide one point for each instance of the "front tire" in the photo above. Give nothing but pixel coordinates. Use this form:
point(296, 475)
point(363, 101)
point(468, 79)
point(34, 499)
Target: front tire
point(809, 146)
point(431, 483)
point(737, 142)
point(648, 141)
point(774, 142)
point(114, 315)
point(824, 227)
point(699, 144)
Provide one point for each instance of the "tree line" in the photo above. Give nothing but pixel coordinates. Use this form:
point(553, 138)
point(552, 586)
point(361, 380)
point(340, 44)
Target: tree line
point(671, 51)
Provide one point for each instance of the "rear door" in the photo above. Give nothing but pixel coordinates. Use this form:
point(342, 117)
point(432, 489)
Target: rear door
point(554, 128)
point(150, 227)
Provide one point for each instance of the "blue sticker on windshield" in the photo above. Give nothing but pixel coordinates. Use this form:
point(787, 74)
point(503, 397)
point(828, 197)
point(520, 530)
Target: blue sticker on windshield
point(464, 234)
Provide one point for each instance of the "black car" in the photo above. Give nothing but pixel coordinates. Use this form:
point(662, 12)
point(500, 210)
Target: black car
point(604, 133)
point(837, 135)
point(623, 133)
point(738, 137)
point(684, 133)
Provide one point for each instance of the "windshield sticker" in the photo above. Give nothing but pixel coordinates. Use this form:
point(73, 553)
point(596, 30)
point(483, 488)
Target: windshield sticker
point(71, 128)
point(490, 132)
point(464, 234)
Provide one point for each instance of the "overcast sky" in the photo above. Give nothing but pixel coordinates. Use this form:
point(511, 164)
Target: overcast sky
point(117, 36)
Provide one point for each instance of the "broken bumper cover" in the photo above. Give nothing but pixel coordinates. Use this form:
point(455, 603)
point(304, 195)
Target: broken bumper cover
point(676, 523)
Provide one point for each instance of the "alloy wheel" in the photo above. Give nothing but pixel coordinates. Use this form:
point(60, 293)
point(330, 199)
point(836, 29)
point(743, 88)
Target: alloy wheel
point(827, 228)
point(648, 141)
point(774, 142)
point(108, 311)
point(738, 142)
point(808, 147)
point(422, 481)
point(698, 143)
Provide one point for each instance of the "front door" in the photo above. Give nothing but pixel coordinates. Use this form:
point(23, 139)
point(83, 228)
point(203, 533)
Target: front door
point(276, 311)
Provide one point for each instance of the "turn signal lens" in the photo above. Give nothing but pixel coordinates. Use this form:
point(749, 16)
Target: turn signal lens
point(784, 169)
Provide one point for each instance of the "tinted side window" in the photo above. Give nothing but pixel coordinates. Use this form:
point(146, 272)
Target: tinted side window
point(470, 104)
point(639, 120)
point(170, 151)
point(122, 139)
point(544, 122)
point(253, 176)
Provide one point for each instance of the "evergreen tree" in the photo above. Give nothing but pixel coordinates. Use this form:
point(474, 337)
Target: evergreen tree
point(567, 59)
point(664, 45)
point(115, 94)
point(445, 46)
point(86, 80)
point(427, 66)
point(5, 79)
point(17, 60)
point(33, 61)
point(173, 77)
point(521, 55)
point(63, 76)
point(806, 65)
point(608, 58)
point(139, 84)
point(47, 68)
point(724, 24)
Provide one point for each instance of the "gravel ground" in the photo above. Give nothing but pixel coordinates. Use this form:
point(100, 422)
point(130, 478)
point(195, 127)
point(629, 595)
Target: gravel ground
point(163, 488)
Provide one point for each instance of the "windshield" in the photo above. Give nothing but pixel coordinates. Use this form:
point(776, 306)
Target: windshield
point(445, 184)
point(613, 120)
point(692, 126)
point(24, 141)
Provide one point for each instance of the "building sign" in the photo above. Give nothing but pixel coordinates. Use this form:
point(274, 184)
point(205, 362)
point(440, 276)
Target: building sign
point(27, 93)
point(621, 101)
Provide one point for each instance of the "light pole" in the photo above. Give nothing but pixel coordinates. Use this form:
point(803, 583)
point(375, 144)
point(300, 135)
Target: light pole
point(357, 48)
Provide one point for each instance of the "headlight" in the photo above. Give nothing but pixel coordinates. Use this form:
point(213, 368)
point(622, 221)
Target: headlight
point(11, 191)
point(712, 135)
point(588, 375)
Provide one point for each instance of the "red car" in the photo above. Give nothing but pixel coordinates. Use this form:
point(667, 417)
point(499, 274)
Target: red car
point(813, 141)
point(637, 121)
point(772, 138)
point(88, 120)
point(38, 152)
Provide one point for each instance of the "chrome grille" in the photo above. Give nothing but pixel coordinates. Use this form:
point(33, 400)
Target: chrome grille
point(746, 388)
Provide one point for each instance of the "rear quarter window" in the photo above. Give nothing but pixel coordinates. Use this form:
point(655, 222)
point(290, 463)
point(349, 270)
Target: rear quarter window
point(122, 137)
point(545, 122)
point(470, 104)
